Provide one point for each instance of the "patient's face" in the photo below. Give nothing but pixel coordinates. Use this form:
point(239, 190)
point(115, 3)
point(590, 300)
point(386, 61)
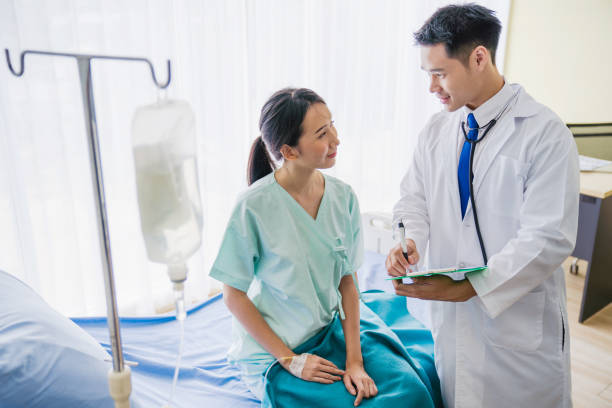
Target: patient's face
point(451, 81)
point(319, 141)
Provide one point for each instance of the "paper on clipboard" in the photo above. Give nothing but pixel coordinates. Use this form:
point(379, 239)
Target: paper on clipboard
point(439, 271)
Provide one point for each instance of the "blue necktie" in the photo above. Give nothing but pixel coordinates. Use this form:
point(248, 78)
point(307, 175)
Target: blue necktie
point(463, 171)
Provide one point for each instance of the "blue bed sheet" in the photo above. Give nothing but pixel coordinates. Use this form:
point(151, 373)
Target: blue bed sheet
point(206, 379)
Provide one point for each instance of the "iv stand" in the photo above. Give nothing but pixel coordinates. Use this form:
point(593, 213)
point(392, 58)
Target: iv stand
point(119, 377)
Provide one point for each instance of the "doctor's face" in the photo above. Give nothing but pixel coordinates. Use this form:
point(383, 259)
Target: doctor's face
point(451, 81)
point(318, 143)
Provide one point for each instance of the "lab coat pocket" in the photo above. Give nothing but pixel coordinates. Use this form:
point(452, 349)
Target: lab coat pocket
point(504, 180)
point(518, 328)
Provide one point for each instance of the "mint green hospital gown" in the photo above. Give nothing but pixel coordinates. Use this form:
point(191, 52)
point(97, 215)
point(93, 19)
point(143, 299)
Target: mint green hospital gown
point(289, 264)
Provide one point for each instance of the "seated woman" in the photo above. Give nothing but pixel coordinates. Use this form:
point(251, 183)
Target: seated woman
point(287, 262)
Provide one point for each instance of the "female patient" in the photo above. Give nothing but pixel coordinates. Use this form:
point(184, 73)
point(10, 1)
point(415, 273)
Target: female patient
point(287, 261)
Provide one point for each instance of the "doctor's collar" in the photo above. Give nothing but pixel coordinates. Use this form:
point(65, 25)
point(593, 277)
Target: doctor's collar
point(491, 108)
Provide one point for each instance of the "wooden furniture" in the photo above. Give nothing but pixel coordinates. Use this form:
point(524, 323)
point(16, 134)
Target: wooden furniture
point(594, 241)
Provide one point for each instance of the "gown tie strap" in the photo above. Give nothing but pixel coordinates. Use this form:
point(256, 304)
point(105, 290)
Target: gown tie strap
point(342, 265)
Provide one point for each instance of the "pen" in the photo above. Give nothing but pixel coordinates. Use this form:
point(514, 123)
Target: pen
point(400, 228)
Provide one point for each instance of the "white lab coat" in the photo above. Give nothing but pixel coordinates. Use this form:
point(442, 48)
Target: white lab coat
point(508, 346)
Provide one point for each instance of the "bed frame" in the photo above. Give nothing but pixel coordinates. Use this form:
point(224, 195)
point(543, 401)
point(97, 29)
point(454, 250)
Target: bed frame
point(378, 232)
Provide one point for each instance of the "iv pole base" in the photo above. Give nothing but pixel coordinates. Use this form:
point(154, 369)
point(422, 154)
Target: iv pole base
point(120, 387)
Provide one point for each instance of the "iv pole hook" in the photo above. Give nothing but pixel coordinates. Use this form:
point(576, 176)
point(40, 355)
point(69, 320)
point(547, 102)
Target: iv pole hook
point(8, 60)
point(89, 57)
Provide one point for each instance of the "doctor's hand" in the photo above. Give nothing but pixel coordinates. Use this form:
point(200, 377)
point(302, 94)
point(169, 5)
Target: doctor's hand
point(359, 383)
point(396, 263)
point(436, 287)
point(311, 367)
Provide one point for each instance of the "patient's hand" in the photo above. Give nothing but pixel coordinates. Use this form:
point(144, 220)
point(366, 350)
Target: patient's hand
point(311, 367)
point(359, 383)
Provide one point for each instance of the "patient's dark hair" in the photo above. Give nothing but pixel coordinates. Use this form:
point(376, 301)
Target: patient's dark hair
point(461, 28)
point(280, 124)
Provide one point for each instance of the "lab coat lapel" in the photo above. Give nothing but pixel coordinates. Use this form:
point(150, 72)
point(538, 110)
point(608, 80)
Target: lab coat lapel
point(490, 151)
point(504, 130)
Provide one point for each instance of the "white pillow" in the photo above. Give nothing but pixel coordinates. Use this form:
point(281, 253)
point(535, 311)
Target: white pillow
point(45, 359)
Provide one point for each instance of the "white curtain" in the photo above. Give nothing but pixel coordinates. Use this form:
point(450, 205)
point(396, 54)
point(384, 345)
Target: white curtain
point(227, 57)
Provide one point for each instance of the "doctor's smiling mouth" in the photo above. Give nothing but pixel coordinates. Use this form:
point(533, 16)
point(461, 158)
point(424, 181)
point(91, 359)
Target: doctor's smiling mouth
point(443, 99)
point(331, 156)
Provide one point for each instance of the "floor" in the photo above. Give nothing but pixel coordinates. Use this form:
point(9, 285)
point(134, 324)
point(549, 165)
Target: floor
point(591, 347)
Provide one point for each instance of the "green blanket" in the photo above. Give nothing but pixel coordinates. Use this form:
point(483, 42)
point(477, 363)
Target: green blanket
point(397, 352)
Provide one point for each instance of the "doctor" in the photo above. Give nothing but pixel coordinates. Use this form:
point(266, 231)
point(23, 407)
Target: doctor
point(501, 335)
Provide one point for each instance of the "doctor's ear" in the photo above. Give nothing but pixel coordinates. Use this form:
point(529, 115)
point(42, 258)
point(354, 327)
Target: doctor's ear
point(479, 57)
point(289, 153)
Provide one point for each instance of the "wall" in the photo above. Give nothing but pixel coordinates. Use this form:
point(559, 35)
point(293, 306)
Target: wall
point(561, 51)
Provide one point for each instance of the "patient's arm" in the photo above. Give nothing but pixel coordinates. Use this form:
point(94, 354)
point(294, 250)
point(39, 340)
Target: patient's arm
point(350, 325)
point(247, 314)
point(355, 376)
point(316, 368)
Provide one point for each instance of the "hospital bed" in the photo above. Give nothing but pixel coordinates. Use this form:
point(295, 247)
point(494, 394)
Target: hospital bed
point(66, 362)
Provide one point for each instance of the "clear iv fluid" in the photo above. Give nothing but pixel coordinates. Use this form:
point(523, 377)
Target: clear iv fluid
point(167, 181)
point(170, 211)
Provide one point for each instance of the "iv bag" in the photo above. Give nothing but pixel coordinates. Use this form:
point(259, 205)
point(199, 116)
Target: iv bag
point(164, 146)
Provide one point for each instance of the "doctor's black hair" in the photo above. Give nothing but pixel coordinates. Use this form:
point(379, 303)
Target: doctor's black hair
point(280, 124)
point(461, 28)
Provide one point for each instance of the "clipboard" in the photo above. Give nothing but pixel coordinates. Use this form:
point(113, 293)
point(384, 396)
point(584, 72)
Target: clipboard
point(439, 272)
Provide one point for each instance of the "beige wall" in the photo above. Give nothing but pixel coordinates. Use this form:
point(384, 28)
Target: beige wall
point(561, 52)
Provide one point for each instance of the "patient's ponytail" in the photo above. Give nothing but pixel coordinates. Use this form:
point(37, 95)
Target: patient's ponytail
point(260, 164)
point(280, 124)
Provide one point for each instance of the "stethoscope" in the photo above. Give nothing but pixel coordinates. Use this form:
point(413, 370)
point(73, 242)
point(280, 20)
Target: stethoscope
point(473, 144)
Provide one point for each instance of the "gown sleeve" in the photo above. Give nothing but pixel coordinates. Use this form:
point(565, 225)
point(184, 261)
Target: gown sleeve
point(355, 251)
point(239, 253)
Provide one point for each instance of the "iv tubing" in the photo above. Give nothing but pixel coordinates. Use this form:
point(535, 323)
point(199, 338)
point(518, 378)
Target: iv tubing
point(180, 273)
point(178, 363)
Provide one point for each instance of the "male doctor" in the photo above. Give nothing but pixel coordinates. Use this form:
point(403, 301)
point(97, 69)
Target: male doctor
point(501, 335)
